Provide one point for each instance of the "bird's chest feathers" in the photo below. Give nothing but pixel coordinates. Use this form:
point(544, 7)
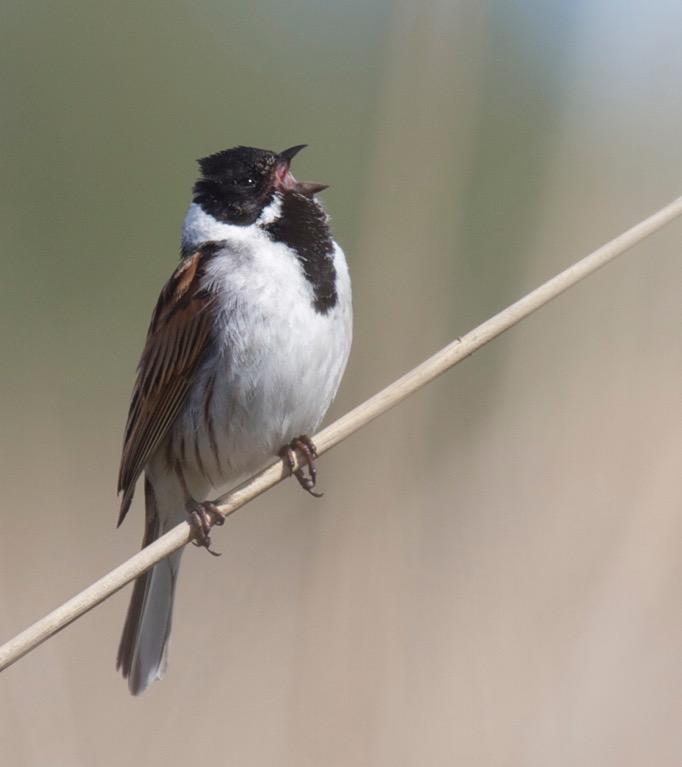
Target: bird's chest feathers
point(276, 359)
point(263, 295)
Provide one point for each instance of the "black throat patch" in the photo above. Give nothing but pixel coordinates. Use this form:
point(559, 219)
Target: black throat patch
point(302, 226)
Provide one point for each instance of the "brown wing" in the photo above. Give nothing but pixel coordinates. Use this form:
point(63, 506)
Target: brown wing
point(178, 335)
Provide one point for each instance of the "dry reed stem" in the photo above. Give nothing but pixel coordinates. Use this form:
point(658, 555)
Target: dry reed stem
point(450, 355)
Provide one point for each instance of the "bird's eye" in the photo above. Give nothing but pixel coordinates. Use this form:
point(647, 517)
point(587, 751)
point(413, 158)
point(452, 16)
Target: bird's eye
point(246, 182)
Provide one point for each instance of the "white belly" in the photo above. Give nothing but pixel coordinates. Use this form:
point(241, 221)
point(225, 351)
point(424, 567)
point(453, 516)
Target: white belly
point(275, 368)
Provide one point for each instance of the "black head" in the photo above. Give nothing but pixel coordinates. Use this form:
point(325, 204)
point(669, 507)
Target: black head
point(237, 184)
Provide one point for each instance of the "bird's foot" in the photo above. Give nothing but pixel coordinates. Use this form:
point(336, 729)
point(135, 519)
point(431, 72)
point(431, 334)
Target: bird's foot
point(307, 448)
point(202, 516)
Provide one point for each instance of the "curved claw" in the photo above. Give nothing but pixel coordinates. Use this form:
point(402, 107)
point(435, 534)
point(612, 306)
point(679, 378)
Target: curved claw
point(202, 517)
point(307, 447)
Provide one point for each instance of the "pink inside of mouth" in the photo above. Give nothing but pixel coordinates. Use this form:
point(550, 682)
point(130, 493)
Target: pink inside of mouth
point(283, 176)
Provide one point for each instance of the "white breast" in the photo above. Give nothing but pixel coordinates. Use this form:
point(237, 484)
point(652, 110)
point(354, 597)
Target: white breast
point(278, 362)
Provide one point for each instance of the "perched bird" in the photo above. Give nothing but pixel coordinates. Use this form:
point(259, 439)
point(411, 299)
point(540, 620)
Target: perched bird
point(245, 351)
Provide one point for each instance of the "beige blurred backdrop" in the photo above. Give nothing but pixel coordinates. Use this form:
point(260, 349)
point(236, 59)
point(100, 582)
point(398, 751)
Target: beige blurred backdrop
point(493, 576)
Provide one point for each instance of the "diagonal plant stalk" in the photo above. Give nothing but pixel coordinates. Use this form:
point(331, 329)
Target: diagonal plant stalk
point(375, 406)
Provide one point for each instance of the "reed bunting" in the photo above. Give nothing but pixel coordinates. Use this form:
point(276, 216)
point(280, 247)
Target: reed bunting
point(245, 351)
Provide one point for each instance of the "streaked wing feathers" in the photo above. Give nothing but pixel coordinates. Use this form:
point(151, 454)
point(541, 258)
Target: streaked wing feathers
point(178, 335)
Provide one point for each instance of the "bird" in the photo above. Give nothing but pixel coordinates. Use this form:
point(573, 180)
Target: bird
point(245, 351)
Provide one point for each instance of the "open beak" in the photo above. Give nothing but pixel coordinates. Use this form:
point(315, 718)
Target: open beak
point(284, 179)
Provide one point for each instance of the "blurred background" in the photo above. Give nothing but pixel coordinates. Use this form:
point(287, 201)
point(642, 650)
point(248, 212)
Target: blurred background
point(493, 576)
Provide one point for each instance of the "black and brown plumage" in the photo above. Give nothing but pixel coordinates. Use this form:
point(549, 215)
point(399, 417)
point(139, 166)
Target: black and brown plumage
point(244, 353)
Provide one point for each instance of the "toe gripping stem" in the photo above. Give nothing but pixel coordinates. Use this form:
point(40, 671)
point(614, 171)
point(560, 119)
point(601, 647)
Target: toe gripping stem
point(307, 448)
point(202, 517)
